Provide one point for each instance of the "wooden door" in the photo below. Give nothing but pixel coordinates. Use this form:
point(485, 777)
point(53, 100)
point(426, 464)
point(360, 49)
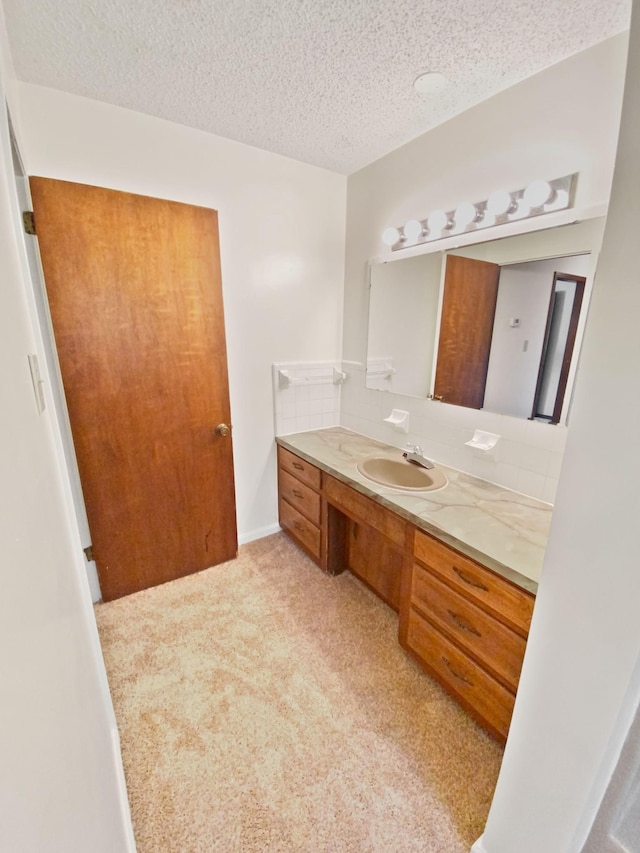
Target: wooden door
point(468, 310)
point(134, 290)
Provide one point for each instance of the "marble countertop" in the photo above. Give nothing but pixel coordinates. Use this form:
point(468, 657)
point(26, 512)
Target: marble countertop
point(501, 529)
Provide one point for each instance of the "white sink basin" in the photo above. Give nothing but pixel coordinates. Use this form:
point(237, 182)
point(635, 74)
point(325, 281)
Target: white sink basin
point(400, 474)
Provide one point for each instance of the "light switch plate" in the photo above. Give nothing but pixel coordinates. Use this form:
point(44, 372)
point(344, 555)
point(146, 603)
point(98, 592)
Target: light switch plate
point(38, 384)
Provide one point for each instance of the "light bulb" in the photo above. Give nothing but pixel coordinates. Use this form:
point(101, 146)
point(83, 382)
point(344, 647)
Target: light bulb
point(559, 202)
point(499, 202)
point(390, 236)
point(412, 230)
point(437, 221)
point(522, 210)
point(538, 193)
point(465, 214)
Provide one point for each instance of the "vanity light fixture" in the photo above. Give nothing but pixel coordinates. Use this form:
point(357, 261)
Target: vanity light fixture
point(536, 199)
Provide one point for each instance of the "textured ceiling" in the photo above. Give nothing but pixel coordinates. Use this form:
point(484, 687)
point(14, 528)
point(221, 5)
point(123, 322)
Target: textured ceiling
point(328, 83)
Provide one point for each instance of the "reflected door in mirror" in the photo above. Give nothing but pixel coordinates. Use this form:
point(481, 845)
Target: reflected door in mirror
point(466, 326)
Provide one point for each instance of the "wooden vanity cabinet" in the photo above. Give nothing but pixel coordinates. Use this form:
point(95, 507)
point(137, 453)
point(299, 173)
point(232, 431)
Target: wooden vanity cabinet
point(340, 528)
point(468, 628)
point(299, 501)
point(466, 625)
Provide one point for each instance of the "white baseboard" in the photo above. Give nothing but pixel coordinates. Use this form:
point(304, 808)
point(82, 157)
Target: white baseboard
point(479, 847)
point(123, 795)
point(243, 538)
point(94, 583)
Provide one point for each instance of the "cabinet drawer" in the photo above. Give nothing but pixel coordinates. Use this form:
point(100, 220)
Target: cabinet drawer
point(304, 499)
point(362, 508)
point(304, 471)
point(495, 594)
point(467, 680)
point(300, 528)
point(486, 639)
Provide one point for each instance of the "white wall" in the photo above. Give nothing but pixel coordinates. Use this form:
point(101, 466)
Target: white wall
point(515, 352)
point(560, 121)
point(282, 226)
point(61, 781)
point(584, 646)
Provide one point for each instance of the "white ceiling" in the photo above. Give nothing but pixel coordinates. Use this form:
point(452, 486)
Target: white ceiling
point(328, 83)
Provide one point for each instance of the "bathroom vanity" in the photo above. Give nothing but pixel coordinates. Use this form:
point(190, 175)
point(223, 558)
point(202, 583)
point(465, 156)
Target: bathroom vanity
point(459, 564)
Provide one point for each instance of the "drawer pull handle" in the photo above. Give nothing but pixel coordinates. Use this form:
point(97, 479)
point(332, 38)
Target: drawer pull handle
point(470, 581)
point(298, 526)
point(298, 466)
point(455, 674)
point(462, 623)
point(297, 493)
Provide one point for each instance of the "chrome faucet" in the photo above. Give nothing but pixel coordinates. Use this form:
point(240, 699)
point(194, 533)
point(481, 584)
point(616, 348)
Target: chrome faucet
point(413, 453)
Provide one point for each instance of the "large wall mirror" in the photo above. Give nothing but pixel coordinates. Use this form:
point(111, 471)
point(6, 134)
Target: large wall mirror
point(495, 325)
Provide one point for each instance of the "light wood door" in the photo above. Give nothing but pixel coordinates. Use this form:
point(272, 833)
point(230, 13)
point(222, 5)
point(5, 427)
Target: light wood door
point(134, 289)
point(468, 310)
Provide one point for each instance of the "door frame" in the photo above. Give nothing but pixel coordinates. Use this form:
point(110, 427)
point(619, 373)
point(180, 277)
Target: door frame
point(569, 346)
point(45, 326)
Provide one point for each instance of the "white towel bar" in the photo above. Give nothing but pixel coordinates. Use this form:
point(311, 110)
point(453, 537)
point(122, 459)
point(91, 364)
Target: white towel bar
point(336, 377)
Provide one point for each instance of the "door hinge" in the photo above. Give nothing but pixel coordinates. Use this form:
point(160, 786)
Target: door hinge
point(88, 552)
point(29, 222)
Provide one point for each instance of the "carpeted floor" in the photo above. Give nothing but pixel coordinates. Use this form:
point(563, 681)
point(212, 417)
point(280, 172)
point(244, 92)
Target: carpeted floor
point(264, 706)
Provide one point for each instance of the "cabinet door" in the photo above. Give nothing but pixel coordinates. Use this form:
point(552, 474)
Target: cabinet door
point(375, 560)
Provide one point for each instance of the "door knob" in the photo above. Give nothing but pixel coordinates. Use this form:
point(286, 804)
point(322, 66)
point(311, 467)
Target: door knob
point(222, 429)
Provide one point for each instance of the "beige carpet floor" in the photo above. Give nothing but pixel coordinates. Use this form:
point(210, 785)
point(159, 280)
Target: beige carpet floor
point(264, 706)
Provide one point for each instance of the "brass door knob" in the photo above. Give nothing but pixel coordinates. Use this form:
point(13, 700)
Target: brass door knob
point(222, 429)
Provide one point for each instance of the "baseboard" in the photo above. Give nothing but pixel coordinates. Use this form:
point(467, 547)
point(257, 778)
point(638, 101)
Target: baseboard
point(123, 795)
point(479, 847)
point(261, 532)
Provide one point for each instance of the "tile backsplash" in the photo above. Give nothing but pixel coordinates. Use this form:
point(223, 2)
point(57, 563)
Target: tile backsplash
point(311, 400)
point(527, 458)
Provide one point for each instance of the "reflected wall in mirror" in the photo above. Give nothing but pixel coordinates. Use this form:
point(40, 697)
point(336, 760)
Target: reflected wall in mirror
point(512, 315)
point(403, 312)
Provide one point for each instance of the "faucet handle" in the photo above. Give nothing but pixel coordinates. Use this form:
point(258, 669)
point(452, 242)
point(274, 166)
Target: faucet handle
point(414, 448)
